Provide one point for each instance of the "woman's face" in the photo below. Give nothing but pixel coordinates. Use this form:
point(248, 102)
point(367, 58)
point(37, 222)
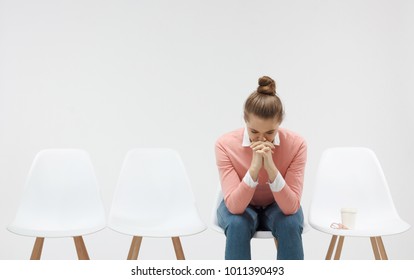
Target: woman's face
point(262, 129)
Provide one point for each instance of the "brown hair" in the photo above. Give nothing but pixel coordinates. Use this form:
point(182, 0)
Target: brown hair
point(264, 102)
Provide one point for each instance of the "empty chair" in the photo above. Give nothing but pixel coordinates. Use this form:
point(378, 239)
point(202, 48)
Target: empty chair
point(352, 177)
point(61, 199)
point(260, 234)
point(153, 198)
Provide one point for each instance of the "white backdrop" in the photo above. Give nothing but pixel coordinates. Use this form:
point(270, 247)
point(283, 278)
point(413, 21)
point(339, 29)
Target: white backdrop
point(108, 76)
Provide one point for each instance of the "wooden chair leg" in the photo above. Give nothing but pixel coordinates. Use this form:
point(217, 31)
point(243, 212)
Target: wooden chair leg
point(134, 249)
point(37, 248)
point(339, 248)
point(381, 248)
point(331, 247)
point(81, 248)
point(179, 253)
point(276, 243)
point(375, 247)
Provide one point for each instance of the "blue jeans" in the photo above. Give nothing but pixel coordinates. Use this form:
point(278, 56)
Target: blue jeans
point(239, 230)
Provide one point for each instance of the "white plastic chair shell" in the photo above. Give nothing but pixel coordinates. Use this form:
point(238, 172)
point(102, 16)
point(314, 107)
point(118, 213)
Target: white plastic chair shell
point(153, 197)
point(61, 197)
point(353, 177)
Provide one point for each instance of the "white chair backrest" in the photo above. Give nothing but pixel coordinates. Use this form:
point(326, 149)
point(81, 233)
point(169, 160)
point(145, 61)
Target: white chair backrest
point(61, 196)
point(213, 217)
point(350, 177)
point(152, 187)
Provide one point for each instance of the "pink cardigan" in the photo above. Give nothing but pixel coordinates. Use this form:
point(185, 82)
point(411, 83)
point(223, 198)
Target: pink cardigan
point(233, 161)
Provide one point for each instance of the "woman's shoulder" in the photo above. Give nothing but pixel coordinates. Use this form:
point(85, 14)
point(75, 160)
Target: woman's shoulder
point(291, 137)
point(231, 137)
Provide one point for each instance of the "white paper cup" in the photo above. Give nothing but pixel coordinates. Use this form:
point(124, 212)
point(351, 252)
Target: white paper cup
point(348, 216)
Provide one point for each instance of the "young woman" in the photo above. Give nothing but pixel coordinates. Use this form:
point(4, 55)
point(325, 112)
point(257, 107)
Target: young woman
point(261, 168)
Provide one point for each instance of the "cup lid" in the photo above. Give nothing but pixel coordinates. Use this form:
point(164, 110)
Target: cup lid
point(349, 210)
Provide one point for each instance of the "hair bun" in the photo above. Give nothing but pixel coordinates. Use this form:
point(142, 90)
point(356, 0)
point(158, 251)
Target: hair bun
point(266, 86)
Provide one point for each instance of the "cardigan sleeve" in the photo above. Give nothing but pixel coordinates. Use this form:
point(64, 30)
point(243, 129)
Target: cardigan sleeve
point(237, 194)
point(289, 197)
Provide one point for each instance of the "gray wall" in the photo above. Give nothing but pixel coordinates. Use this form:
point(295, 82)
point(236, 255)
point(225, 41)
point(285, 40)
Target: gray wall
point(108, 76)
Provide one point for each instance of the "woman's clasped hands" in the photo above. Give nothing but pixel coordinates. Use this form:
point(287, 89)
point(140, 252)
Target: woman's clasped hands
point(262, 157)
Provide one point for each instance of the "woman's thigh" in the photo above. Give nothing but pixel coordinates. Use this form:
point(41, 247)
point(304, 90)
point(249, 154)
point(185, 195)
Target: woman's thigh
point(248, 219)
point(274, 219)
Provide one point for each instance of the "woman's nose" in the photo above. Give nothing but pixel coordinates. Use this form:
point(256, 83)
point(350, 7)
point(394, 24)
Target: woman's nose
point(261, 138)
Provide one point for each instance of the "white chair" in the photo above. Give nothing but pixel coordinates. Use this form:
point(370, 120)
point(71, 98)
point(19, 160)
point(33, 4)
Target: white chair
point(353, 177)
point(260, 234)
point(61, 199)
point(153, 198)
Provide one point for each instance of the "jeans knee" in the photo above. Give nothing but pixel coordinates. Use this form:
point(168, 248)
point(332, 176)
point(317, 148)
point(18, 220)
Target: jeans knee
point(239, 221)
point(241, 224)
point(289, 225)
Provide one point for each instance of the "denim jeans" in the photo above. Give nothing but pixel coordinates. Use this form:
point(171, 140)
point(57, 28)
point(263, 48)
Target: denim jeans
point(239, 230)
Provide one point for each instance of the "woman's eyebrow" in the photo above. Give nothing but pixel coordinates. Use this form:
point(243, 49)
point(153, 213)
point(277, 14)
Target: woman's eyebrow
point(272, 130)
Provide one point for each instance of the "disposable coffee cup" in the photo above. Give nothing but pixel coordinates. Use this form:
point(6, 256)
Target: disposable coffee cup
point(348, 216)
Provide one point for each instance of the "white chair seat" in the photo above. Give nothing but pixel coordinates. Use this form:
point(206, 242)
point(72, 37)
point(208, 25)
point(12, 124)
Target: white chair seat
point(185, 224)
point(366, 229)
point(49, 230)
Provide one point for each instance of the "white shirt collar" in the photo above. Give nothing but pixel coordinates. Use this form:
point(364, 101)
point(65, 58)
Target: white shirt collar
point(247, 142)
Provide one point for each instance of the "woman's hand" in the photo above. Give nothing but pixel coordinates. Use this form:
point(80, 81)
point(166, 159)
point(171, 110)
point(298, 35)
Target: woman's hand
point(265, 149)
point(256, 165)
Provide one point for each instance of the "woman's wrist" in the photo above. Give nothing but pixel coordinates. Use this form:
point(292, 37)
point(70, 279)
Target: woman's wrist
point(272, 172)
point(254, 173)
